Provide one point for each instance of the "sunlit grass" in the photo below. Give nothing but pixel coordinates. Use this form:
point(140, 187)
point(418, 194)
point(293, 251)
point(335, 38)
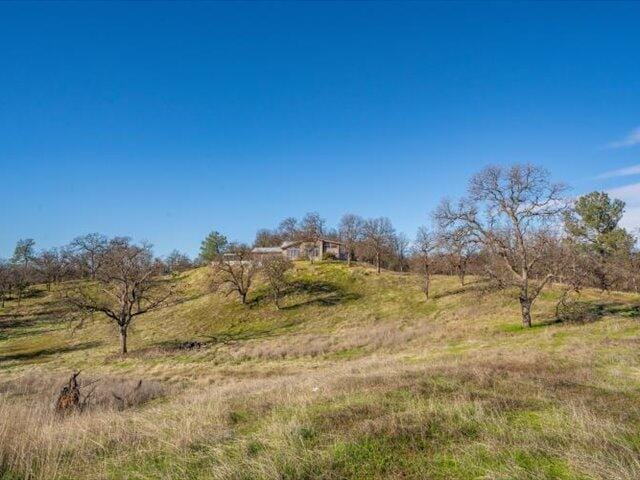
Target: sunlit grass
point(358, 376)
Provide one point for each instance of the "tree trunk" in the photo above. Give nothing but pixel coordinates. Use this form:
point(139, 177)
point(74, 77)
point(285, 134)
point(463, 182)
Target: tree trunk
point(525, 305)
point(92, 268)
point(243, 298)
point(426, 278)
point(378, 261)
point(349, 258)
point(123, 340)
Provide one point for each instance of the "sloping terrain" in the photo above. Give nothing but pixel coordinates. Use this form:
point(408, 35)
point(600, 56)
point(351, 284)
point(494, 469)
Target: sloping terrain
point(358, 376)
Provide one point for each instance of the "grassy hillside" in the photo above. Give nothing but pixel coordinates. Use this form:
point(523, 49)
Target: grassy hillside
point(357, 377)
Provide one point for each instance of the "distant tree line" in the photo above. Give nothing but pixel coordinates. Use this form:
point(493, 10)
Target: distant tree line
point(82, 259)
point(514, 227)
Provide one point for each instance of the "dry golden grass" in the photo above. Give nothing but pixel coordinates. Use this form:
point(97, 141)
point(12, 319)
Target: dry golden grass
point(358, 377)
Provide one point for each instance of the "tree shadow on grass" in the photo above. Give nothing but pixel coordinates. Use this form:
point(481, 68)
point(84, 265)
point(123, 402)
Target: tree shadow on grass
point(322, 293)
point(583, 311)
point(20, 325)
point(238, 332)
point(222, 338)
point(481, 286)
point(621, 310)
point(29, 293)
point(230, 337)
point(45, 352)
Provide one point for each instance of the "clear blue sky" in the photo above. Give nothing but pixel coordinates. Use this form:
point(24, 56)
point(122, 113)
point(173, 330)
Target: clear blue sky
point(163, 121)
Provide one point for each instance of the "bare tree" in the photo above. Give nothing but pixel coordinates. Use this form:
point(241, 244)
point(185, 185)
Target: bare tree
point(275, 269)
point(21, 279)
point(288, 229)
point(6, 283)
point(460, 246)
point(312, 227)
point(50, 266)
point(178, 262)
point(377, 235)
point(127, 285)
point(267, 238)
point(570, 266)
point(89, 250)
point(425, 245)
point(399, 250)
point(22, 266)
point(350, 233)
point(235, 271)
point(627, 266)
point(331, 234)
point(510, 212)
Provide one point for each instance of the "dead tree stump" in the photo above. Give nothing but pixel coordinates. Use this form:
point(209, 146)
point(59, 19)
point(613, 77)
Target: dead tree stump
point(69, 396)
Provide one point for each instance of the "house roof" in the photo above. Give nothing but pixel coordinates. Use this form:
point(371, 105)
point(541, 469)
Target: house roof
point(329, 240)
point(267, 250)
point(292, 243)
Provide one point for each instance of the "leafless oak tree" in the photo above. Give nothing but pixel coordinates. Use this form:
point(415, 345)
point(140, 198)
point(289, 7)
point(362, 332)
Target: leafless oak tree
point(425, 245)
point(288, 229)
point(268, 238)
point(350, 233)
point(312, 227)
point(377, 235)
point(399, 247)
point(6, 282)
point(510, 212)
point(50, 266)
point(89, 250)
point(235, 271)
point(21, 280)
point(275, 269)
point(126, 286)
point(177, 262)
point(459, 245)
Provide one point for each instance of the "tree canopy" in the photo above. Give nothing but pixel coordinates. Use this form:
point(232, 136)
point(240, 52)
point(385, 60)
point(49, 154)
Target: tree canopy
point(213, 246)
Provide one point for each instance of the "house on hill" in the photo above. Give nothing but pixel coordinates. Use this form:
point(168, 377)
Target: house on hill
point(300, 249)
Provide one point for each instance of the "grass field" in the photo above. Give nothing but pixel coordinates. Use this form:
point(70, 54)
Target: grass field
point(358, 376)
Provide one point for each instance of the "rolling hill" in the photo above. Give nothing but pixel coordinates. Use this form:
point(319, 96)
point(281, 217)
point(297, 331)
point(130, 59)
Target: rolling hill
point(357, 376)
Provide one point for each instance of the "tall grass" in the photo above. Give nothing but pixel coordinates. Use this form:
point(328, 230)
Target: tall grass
point(373, 382)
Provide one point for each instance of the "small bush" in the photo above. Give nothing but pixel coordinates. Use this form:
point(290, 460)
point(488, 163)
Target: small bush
point(329, 256)
point(575, 311)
